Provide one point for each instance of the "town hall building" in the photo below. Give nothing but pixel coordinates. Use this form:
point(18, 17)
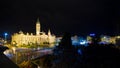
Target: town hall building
point(39, 38)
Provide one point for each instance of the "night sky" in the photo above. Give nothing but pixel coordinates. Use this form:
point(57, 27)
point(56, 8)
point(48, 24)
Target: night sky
point(79, 17)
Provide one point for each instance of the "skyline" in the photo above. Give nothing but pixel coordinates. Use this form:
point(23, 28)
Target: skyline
point(77, 17)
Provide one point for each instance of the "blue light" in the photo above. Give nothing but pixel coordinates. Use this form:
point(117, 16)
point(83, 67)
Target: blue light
point(6, 34)
point(83, 42)
point(79, 51)
point(93, 34)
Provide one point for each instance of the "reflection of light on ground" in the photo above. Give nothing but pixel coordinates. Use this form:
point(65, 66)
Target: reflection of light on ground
point(8, 53)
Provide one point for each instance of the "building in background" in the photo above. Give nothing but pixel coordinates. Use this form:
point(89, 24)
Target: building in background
point(40, 38)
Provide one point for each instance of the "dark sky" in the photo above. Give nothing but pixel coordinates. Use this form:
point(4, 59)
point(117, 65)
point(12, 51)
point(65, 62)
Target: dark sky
point(75, 16)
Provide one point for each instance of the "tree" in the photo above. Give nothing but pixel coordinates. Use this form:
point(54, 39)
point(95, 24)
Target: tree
point(66, 54)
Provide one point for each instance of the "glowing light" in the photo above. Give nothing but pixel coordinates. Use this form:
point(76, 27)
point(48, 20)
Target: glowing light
point(6, 34)
point(93, 34)
point(79, 51)
point(118, 36)
point(83, 42)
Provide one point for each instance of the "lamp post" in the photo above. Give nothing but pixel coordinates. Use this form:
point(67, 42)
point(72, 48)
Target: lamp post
point(5, 34)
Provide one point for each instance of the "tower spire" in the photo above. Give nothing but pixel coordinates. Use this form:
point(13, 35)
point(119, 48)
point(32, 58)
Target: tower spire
point(49, 33)
point(38, 20)
point(38, 27)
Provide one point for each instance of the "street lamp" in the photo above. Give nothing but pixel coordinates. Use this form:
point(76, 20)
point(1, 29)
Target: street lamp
point(5, 34)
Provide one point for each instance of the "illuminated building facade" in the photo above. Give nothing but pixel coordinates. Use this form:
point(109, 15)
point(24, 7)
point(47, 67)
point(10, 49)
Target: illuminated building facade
point(40, 38)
